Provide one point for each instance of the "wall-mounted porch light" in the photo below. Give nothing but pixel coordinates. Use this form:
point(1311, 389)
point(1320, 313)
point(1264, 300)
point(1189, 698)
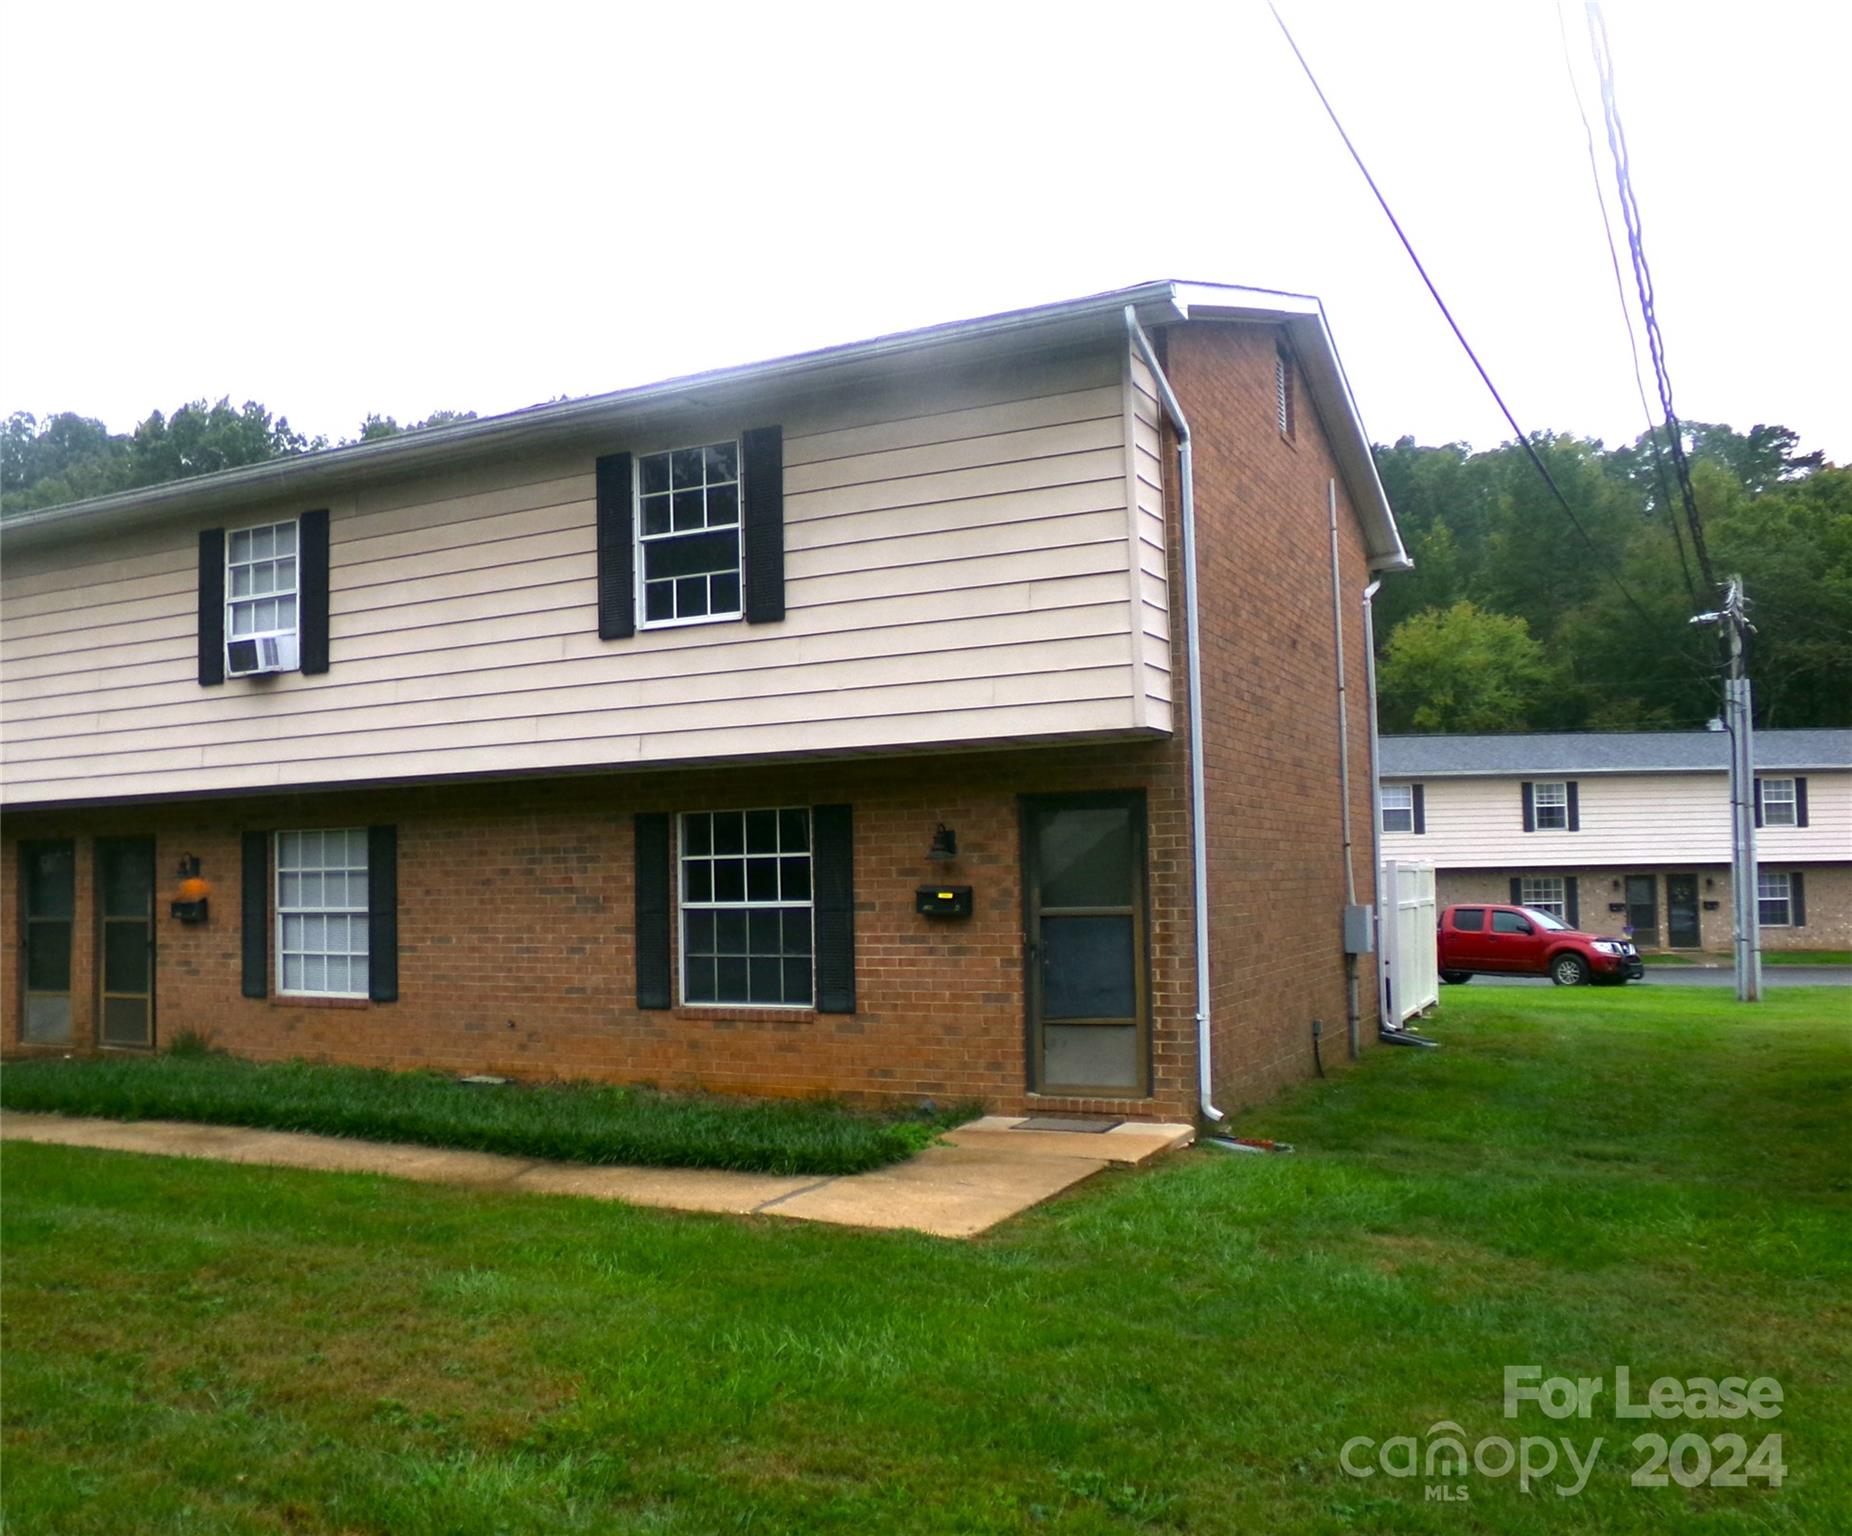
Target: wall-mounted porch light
point(944, 845)
point(189, 903)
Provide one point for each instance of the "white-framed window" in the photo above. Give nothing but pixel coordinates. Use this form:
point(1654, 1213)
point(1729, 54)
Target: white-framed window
point(1778, 803)
point(746, 908)
point(1774, 900)
point(1546, 893)
point(1398, 807)
point(260, 599)
point(322, 912)
point(688, 535)
point(1550, 802)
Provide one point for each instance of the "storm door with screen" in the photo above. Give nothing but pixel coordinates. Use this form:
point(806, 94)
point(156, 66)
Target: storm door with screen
point(125, 914)
point(1682, 931)
point(48, 885)
point(1643, 909)
point(1084, 900)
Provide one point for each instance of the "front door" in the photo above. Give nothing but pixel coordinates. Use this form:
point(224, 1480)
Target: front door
point(1643, 910)
point(1682, 911)
point(1084, 888)
point(48, 887)
point(125, 907)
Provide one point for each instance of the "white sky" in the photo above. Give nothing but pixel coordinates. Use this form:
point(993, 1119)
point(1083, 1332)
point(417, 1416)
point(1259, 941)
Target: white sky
point(393, 207)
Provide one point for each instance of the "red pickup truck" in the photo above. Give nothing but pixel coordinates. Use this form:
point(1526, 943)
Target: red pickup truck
point(1485, 939)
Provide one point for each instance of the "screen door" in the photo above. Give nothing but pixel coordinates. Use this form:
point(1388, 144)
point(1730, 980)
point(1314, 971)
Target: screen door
point(1085, 944)
point(125, 890)
point(48, 884)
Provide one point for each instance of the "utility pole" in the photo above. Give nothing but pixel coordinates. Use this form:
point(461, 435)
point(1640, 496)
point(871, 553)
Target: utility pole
point(1745, 920)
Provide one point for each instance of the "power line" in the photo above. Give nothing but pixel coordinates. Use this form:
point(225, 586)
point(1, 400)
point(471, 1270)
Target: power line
point(1620, 292)
point(1643, 280)
point(1523, 437)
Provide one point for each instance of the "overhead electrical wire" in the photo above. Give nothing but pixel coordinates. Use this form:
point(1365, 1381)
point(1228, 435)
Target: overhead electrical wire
point(1643, 280)
point(1523, 438)
point(1666, 502)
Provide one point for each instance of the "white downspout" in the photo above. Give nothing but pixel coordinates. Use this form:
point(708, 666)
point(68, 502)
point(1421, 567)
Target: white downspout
point(1376, 795)
point(1192, 647)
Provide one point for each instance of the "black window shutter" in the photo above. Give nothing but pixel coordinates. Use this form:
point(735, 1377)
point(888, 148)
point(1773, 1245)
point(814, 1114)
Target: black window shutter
point(1572, 905)
point(762, 467)
point(254, 907)
point(312, 590)
point(1797, 900)
point(1517, 889)
point(652, 902)
point(1800, 803)
point(1530, 806)
point(1758, 802)
point(1421, 810)
point(1575, 807)
point(832, 841)
point(383, 914)
point(617, 572)
point(212, 607)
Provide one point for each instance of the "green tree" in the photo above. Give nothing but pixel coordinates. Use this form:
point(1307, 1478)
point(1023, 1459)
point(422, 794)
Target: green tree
point(65, 457)
point(1462, 669)
point(200, 438)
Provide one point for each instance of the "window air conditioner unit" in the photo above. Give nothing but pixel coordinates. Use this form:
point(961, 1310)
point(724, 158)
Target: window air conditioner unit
point(260, 654)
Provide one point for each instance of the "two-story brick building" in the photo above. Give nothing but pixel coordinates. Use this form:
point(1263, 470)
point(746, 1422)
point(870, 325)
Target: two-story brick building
point(817, 726)
point(1630, 829)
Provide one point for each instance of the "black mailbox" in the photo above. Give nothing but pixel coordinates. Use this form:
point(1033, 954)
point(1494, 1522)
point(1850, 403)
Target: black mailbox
point(943, 901)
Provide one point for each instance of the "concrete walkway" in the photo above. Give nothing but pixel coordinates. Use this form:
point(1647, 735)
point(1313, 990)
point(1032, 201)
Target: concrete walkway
point(988, 1172)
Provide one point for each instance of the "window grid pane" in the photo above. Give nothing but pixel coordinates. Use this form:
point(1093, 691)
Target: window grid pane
point(1398, 808)
point(1545, 893)
point(1551, 804)
point(746, 908)
point(1778, 803)
point(1773, 908)
point(260, 581)
point(688, 532)
point(321, 895)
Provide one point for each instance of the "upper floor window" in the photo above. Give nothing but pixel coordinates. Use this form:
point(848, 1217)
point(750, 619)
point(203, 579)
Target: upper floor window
point(1552, 803)
point(1774, 900)
point(1398, 808)
point(260, 599)
point(1778, 803)
point(746, 908)
point(1545, 893)
point(688, 534)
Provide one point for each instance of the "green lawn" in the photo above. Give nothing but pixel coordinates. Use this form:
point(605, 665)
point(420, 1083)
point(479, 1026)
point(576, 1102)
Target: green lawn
point(567, 1122)
point(1580, 1180)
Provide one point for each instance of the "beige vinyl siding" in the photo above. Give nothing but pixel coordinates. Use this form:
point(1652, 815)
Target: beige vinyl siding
point(958, 570)
point(1653, 820)
point(1147, 470)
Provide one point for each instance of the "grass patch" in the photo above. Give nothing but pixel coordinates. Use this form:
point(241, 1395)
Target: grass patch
point(1579, 1179)
point(568, 1122)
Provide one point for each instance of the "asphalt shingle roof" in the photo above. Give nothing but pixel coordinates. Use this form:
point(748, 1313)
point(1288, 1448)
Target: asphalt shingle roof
point(1407, 757)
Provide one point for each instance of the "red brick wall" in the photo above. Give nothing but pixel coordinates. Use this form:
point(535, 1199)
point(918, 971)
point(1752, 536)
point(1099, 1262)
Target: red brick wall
point(1276, 888)
point(516, 931)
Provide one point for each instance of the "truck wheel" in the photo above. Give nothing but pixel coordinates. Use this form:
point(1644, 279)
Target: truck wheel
point(1569, 970)
point(1456, 978)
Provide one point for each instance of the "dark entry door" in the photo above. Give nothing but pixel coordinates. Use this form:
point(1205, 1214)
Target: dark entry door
point(48, 886)
point(1084, 880)
point(125, 888)
point(1643, 909)
point(1682, 911)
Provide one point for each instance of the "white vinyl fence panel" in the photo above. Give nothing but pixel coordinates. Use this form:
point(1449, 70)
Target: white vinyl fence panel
point(1408, 920)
